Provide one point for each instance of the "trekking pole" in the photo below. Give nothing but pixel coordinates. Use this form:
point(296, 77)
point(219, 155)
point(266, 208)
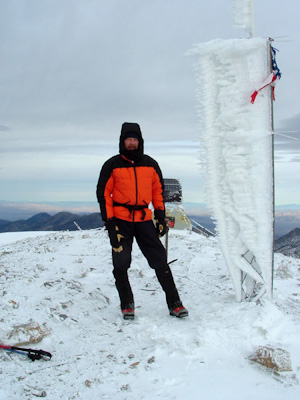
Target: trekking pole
point(167, 243)
point(31, 353)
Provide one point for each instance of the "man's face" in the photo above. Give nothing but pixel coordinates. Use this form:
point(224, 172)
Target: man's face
point(131, 143)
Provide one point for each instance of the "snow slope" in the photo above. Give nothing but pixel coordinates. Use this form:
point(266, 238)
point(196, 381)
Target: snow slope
point(63, 282)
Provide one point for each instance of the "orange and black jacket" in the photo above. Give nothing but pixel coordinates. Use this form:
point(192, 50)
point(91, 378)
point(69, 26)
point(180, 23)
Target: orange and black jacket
point(129, 182)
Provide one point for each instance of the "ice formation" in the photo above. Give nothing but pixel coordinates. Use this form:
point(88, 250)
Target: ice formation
point(242, 11)
point(238, 140)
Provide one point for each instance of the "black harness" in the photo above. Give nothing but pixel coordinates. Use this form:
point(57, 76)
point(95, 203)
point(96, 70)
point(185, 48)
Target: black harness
point(132, 208)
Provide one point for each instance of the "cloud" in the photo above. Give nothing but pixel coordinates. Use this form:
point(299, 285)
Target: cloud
point(85, 70)
point(287, 139)
point(70, 76)
point(4, 128)
point(295, 159)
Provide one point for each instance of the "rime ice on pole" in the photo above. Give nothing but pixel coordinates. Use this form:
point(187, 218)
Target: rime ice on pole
point(238, 140)
point(243, 15)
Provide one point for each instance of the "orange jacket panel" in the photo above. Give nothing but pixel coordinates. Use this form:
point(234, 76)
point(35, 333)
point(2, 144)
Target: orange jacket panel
point(124, 185)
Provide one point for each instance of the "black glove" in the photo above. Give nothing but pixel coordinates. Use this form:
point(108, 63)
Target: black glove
point(114, 234)
point(161, 227)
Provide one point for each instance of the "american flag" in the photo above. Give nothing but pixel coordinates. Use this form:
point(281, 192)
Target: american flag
point(271, 79)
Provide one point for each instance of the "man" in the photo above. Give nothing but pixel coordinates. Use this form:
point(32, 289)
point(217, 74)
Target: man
point(128, 183)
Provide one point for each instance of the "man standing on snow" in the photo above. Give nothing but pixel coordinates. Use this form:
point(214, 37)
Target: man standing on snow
point(127, 184)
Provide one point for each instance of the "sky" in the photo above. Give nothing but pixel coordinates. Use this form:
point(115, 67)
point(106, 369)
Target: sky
point(72, 72)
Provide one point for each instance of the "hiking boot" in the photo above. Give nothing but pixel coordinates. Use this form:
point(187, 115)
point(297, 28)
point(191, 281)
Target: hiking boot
point(177, 310)
point(128, 311)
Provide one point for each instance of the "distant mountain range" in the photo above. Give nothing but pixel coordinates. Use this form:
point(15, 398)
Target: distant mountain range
point(287, 217)
point(59, 222)
point(71, 222)
point(285, 222)
point(289, 244)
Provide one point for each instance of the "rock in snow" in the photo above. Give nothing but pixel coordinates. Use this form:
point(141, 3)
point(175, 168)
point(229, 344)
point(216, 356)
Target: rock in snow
point(276, 359)
point(62, 283)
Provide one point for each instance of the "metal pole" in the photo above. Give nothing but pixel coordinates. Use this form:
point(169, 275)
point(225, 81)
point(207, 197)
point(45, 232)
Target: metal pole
point(167, 241)
point(273, 168)
point(252, 31)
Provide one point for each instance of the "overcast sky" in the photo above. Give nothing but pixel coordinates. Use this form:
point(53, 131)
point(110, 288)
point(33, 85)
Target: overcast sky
point(73, 71)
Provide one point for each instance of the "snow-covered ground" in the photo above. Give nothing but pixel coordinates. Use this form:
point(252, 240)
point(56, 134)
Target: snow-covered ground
point(62, 281)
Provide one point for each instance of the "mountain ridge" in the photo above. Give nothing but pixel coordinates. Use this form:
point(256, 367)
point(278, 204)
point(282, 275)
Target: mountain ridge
point(288, 244)
point(57, 222)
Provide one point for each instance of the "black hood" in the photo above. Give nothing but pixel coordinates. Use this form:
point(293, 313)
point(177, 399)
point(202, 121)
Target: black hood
point(131, 129)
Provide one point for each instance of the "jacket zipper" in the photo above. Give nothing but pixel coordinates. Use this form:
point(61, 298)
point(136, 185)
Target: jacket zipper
point(136, 189)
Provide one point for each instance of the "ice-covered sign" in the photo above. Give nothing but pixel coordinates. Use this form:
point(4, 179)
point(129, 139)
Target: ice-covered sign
point(238, 140)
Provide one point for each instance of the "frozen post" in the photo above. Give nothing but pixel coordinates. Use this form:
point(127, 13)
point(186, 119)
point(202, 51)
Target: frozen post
point(243, 15)
point(237, 134)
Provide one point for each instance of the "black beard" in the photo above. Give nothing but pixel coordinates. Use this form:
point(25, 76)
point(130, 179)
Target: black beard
point(134, 155)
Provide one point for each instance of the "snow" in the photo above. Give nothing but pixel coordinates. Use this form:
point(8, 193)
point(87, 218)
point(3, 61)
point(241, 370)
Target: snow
point(238, 139)
point(62, 281)
point(243, 15)
point(8, 237)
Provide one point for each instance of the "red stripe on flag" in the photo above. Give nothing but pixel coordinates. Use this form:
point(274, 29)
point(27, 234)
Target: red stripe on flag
point(271, 78)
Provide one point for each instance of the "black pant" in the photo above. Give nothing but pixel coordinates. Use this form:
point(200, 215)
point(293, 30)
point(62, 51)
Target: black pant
point(152, 248)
